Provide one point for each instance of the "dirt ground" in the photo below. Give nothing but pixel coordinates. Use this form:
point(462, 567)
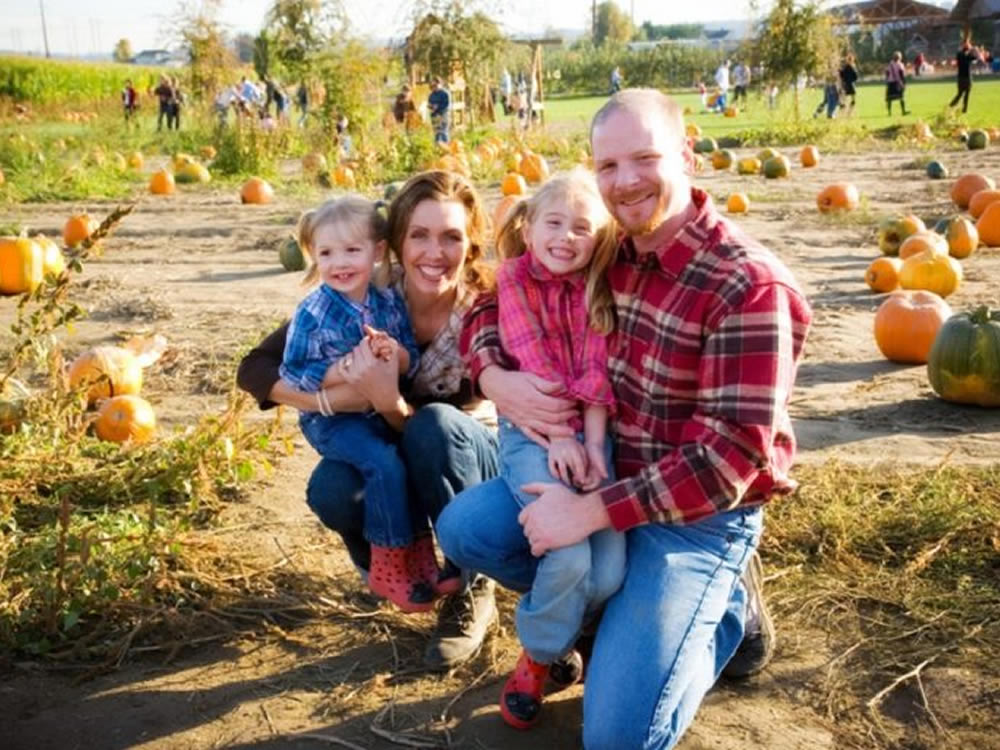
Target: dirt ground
point(201, 269)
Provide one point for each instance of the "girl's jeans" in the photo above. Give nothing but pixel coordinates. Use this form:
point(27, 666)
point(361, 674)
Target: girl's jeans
point(570, 583)
point(664, 636)
point(367, 443)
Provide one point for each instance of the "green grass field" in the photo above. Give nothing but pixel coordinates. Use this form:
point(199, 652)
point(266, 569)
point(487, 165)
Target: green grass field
point(924, 99)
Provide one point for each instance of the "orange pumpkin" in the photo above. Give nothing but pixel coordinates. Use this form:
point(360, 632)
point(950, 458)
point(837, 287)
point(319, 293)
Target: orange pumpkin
point(108, 371)
point(988, 226)
point(722, 159)
point(962, 236)
point(967, 186)
point(809, 156)
point(135, 160)
point(906, 324)
point(125, 419)
point(738, 203)
point(343, 176)
point(922, 241)
point(22, 265)
point(979, 202)
point(840, 196)
point(534, 168)
point(207, 152)
point(162, 183)
point(78, 227)
point(256, 190)
point(882, 274)
point(692, 130)
point(513, 184)
point(931, 271)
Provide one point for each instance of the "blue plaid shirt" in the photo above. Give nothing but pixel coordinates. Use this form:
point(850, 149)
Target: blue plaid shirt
point(327, 325)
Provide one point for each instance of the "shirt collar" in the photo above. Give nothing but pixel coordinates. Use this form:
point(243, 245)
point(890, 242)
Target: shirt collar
point(343, 299)
point(529, 263)
point(675, 253)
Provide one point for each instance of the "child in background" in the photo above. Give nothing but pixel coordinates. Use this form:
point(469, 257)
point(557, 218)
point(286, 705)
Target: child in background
point(831, 98)
point(555, 309)
point(703, 93)
point(344, 239)
point(130, 100)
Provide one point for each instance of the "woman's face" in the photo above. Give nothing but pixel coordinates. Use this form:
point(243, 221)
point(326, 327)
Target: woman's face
point(434, 247)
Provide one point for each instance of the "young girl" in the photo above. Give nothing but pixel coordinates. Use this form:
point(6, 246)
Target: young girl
point(344, 240)
point(555, 309)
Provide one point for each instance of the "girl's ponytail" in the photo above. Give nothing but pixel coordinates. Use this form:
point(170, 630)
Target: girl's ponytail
point(510, 238)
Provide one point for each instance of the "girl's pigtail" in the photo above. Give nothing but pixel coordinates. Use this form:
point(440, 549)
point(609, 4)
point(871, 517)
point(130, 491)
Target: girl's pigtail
point(510, 238)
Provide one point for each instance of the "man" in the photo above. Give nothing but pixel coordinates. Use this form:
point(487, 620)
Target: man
point(438, 105)
point(164, 95)
point(710, 329)
point(966, 56)
point(722, 83)
point(741, 82)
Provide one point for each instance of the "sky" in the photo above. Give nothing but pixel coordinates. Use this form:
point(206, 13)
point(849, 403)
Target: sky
point(78, 27)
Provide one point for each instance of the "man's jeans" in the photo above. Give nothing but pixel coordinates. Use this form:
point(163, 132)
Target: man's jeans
point(571, 583)
point(665, 635)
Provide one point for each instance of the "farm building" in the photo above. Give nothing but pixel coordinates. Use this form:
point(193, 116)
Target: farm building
point(908, 25)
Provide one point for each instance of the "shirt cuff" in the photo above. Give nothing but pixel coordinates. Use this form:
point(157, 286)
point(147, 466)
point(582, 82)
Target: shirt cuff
point(622, 505)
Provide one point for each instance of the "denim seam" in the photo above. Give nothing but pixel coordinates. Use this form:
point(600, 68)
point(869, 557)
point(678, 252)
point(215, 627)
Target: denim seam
point(668, 687)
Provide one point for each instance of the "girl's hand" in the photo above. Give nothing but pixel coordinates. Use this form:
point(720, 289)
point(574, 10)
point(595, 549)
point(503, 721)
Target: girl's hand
point(383, 346)
point(375, 379)
point(526, 401)
point(567, 461)
point(597, 471)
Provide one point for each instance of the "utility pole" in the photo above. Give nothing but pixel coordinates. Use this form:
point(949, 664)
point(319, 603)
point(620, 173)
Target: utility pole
point(45, 33)
point(593, 21)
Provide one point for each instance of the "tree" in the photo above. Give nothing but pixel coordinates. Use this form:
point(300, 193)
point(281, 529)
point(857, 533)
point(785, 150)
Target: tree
point(299, 30)
point(612, 25)
point(796, 39)
point(123, 51)
point(198, 30)
point(655, 31)
point(449, 34)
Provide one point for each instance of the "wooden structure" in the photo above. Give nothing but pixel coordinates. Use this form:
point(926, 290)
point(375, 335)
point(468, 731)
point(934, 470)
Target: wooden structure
point(537, 73)
point(899, 13)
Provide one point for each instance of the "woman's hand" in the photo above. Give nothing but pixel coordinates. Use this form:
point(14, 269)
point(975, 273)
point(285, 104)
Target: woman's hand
point(526, 400)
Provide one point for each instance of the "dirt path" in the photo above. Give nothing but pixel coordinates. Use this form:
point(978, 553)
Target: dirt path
point(202, 270)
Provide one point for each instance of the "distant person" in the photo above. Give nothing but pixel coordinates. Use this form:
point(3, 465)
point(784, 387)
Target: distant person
point(439, 107)
point(848, 79)
point(966, 56)
point(772, 95)
point(506, 90)
point(130, 100)
point(403, 105)
point(741, 82)
point(227, 99)
point(174, 105)
point(616, 80)
point(918, 64)
point(831, 98)
point(163, 94)
point(703, 94)
point(722, 83)
point(302, 100)
point(895, 83)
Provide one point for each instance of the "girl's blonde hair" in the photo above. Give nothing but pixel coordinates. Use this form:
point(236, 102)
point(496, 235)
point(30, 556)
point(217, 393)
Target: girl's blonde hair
point(360, 216)
point(577, 184)
point(439, 185)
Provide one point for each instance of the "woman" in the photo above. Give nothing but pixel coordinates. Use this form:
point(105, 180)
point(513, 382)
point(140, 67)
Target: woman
point(848, 79)
point(437, 235)
point(895, 83)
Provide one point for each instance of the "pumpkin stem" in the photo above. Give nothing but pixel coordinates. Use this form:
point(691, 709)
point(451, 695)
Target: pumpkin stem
point(982, 315)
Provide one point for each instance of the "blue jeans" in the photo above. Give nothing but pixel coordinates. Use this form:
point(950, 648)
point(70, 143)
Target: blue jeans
point(444, 451)
point(570, 583)
point(665, 635)
point(369, 444)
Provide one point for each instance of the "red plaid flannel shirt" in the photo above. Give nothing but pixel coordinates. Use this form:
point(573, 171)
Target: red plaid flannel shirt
point(545, 330)
point(710, 329)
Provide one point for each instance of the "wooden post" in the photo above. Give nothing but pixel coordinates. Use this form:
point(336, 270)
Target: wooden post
point(541, 97)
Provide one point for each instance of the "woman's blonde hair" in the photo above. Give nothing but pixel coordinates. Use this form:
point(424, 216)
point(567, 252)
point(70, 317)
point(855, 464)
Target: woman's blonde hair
point(577, 184)
point(359, 216)
point(438, 185)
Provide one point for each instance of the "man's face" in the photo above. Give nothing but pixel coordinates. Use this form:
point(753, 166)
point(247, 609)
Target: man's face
point(641, 170)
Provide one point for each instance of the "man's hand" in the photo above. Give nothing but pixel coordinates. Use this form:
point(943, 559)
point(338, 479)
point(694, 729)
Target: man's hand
point(526, 400)
point(560, 517)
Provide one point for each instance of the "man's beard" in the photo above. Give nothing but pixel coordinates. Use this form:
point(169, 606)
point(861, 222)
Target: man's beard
point(649, 225)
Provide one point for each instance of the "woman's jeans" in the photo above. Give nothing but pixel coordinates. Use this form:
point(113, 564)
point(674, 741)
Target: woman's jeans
point(570, 583)
point(664, 636)
point(369, 445)
point(444, 451)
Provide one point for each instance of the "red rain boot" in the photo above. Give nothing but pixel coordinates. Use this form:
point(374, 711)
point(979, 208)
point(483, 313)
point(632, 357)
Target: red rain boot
point(521, 699)
point(425, 567)
point(390, 577)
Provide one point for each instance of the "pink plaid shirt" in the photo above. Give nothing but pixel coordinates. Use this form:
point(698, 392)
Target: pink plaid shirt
point(544, 328)
point(710, 329)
